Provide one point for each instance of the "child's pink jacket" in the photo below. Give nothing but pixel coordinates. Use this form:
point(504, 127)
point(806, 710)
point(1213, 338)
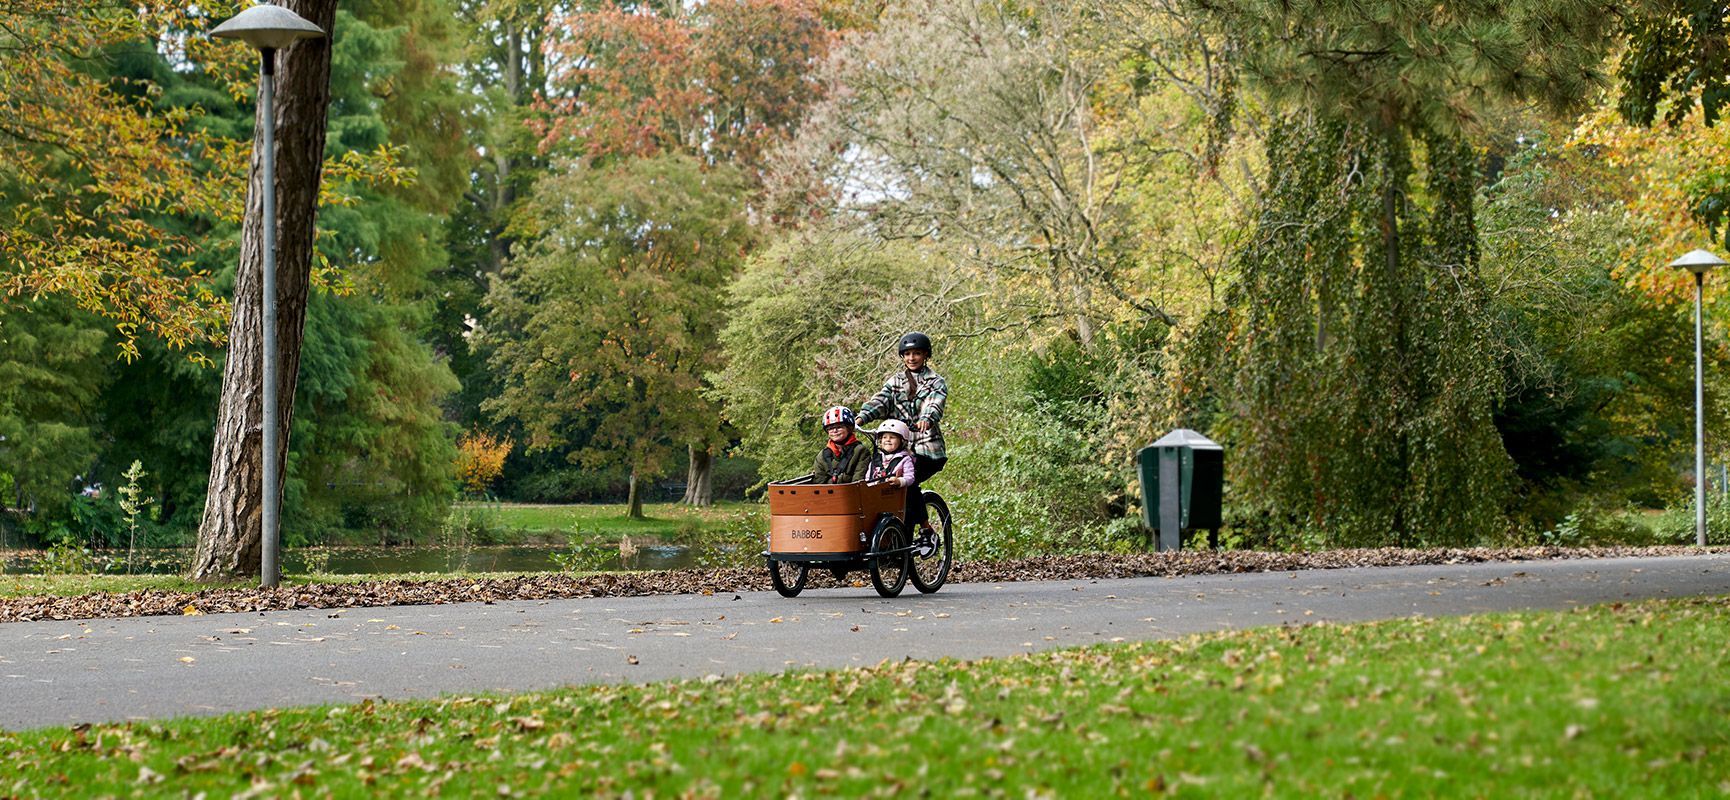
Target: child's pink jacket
point(898, 464)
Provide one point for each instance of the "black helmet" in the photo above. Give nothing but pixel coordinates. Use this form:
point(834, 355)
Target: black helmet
point(915, 341)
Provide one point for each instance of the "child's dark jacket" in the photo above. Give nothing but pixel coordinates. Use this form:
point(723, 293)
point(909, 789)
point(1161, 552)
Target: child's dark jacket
point(846, 466)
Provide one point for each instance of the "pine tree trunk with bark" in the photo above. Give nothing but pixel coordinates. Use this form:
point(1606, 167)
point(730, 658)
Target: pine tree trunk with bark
point(699, 483)
point(229, 544)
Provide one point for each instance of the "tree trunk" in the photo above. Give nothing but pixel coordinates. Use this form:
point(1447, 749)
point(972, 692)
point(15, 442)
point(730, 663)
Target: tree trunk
point(699, 487)
point(229, 542)
point(636, 497)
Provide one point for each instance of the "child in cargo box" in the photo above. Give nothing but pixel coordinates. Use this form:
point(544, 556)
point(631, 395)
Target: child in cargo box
point(893, 462)
point(843, 459)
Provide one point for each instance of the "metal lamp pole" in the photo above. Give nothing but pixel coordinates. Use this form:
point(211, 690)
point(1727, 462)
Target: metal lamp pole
point(269, 28)
point(1698, 262)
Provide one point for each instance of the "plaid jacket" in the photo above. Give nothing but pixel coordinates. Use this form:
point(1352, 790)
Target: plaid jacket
point(891, 403)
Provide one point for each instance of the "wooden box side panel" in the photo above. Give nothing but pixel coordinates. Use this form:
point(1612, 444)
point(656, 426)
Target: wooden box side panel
point(834, 533)
point(814, 500)
point(883, 498)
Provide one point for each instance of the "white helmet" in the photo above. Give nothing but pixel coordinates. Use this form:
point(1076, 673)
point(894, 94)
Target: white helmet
point(896, 427)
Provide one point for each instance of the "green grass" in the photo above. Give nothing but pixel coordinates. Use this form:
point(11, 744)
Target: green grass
point(610, 521)
point(1620, 701)
point(24, 585)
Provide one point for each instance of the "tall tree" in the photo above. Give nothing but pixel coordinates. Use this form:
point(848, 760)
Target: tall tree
point(719, 82)
point(374, 452)
point(605, 327)
point(228, 538)
point(1353, 360)
point(368, 450)
point(973, 121)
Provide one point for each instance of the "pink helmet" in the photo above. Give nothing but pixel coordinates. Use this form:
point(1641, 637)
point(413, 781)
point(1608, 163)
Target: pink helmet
point(896, 427)
point(839, 415)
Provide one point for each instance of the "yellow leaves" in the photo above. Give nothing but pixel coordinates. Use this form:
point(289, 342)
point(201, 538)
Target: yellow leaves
point(1650, 170)
point(481, 459)
point(190, 611)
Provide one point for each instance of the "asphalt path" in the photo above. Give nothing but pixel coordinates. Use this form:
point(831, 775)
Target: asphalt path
point(55, 673)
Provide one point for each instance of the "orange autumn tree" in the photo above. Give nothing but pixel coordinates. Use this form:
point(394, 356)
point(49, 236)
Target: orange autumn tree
point(721, 81)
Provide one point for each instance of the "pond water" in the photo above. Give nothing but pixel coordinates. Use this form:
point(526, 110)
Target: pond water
point(390, 560)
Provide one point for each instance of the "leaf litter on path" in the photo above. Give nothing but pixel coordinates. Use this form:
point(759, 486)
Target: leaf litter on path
point(559, 586)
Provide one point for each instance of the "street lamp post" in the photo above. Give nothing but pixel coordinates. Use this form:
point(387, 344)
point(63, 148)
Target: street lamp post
point(1698, 262)
point(269, 28)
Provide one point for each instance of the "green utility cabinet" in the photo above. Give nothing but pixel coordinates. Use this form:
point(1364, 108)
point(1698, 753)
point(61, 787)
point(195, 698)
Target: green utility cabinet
point(1182, 487)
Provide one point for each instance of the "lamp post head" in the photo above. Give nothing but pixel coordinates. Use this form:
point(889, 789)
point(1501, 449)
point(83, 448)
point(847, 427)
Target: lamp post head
point(267, 26)
point(1698, 261)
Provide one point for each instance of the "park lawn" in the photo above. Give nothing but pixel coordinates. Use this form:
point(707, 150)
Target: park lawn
point(30, 585)
point(1622, 700)
point(610, 521)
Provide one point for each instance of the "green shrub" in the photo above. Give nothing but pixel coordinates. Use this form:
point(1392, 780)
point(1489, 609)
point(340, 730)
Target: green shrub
point(738, 543)
point(66, 558)
point(469, 525)
point(1676, 524)
point(1596, 524)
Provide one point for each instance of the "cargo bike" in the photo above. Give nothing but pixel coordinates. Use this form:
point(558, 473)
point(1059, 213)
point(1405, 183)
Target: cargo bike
point(844, 527)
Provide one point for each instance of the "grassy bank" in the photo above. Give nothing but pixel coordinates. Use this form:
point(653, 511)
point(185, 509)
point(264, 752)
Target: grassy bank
point(667, 520)
point(494, 524)
point(1618, 700)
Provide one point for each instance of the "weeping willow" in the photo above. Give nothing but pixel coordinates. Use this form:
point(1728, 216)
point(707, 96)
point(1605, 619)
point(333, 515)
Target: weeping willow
point(1351, 366)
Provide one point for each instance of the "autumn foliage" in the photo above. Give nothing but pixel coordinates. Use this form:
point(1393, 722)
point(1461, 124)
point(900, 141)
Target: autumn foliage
point(723, 81)
point(90, 165)
point(480, 458)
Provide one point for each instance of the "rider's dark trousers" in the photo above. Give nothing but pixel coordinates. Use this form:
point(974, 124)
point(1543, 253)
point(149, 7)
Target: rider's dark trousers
point(923, 467)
